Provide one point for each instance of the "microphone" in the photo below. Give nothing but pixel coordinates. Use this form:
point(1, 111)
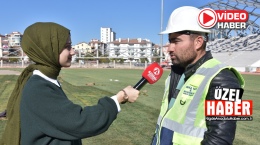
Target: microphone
point(151, 75)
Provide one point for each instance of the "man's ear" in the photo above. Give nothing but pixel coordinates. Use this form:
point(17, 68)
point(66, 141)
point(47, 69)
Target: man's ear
point(199, 42)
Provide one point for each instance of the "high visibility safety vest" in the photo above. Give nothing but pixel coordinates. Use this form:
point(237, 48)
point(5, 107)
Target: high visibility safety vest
point(185, 121)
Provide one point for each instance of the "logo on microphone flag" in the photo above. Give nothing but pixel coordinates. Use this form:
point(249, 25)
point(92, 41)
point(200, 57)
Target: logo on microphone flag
point(153, 73)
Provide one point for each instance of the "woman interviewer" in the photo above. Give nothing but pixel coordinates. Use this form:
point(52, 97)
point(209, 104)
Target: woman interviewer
point(38, 110)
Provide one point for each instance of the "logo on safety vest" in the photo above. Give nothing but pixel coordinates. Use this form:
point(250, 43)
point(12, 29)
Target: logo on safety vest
point(189, 91)
point(225, 19)
point(228, 105)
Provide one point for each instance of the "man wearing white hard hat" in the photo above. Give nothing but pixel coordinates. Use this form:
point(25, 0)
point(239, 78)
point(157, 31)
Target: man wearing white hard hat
point(194, 76)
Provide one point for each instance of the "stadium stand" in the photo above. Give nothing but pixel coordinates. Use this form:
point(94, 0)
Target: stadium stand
point(239, 48)
point(240, 52)
point(239, 59)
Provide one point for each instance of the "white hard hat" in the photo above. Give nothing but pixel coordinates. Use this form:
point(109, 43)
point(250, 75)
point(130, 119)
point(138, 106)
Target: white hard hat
point(184, 19)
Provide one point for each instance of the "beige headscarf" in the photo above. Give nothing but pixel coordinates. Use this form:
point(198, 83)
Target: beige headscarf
point(42, 42)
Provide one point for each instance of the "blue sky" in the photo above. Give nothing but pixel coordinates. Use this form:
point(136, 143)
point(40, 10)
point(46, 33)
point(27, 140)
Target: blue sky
point(128, 18)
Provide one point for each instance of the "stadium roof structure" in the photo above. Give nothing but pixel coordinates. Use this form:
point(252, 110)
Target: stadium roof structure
point(252, 25)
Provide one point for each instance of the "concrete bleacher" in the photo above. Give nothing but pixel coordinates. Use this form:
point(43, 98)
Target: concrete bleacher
point(240, 52)
point(239, 59)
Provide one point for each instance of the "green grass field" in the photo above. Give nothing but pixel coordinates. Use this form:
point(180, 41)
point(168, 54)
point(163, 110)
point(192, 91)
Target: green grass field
point(136, 122)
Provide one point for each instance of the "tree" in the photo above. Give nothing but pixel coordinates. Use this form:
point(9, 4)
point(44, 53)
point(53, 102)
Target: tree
point(119, 60)
point(155, 57)
point(143, 60)
point(104, 60)
point(13, 59)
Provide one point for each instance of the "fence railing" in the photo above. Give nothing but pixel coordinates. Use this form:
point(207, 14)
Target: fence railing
point(85, 64)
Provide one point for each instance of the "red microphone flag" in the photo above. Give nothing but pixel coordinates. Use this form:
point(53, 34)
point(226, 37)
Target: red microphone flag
point(153, 73)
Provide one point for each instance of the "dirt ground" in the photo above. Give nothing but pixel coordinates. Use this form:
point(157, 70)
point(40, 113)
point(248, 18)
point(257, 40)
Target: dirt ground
point(9, 72)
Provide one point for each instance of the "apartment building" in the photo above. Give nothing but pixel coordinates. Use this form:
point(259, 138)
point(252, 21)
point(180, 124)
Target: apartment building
point(82, 48)
point(98, 45)
point(90, 47)
point(10, 44)
point(14, 39)
point(107, 35)
point(4, 42)
point(131, 49)
point(1, 38)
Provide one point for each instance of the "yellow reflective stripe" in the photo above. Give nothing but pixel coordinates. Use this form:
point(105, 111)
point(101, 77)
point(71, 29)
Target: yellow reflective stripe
point(186, 129)
point(167, 83)
point(210, 63)
point(159, 120)
point(164, 105)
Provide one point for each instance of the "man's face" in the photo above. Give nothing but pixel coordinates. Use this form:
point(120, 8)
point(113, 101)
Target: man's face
point(182, 49)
